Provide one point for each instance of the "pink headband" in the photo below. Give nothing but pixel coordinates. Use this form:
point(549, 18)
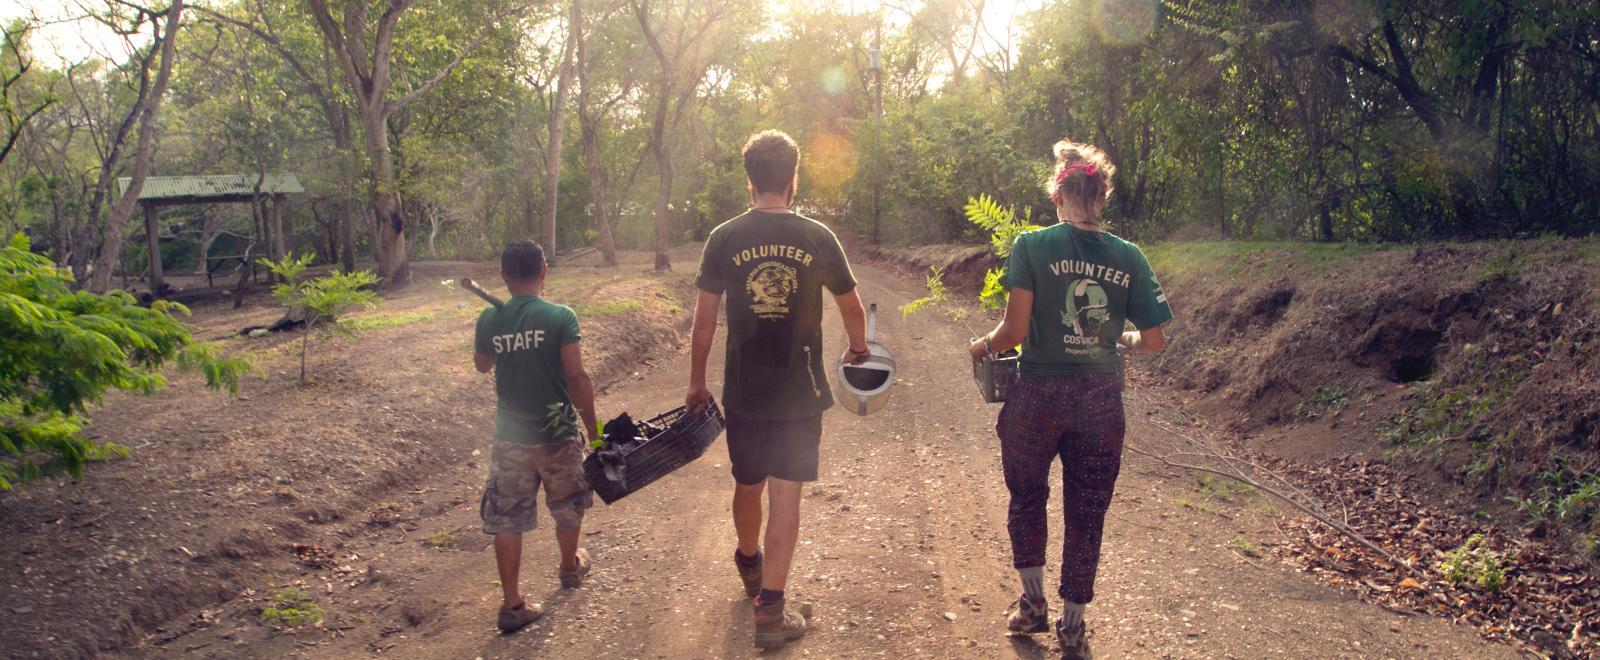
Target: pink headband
point(1088, 169)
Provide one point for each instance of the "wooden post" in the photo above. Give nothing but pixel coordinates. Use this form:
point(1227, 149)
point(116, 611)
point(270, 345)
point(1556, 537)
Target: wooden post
point(153, 239)
point(280, 232)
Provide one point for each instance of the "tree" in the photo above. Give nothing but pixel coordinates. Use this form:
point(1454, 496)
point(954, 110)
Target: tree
point(16, 110)
point(682, 52)
point(593, 82)
point(164, 26)
point(367, 65)
point(320, 301)
point(64, 349)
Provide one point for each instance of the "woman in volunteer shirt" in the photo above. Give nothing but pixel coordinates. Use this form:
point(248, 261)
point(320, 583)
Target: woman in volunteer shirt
point(1073, 288)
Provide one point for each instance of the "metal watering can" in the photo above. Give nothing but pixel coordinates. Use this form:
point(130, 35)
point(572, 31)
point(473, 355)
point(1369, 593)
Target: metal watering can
point(864, 388)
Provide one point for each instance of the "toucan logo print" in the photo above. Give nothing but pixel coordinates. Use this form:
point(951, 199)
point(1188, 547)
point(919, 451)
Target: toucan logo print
point(1086, 308)
point(770, 284)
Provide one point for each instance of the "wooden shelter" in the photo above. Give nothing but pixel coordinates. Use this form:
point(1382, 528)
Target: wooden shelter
point(161, 191)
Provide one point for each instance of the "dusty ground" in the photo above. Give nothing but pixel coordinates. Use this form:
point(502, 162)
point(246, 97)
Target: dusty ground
point(903, 543)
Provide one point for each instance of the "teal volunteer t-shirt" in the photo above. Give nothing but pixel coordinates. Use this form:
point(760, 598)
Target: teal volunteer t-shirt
point(525, 337)
point(773, 268)
point(1085, 284)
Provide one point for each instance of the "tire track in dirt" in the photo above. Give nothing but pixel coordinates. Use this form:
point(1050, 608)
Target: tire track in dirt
point(905, 527)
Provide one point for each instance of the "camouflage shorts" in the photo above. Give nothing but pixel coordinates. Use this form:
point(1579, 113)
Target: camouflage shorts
point(517, 469)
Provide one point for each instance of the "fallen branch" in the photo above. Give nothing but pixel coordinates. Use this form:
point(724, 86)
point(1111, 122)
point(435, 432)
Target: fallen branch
point(1288, 492)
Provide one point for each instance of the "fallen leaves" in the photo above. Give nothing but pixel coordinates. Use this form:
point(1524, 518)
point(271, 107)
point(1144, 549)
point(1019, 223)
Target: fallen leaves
point(1546, 601)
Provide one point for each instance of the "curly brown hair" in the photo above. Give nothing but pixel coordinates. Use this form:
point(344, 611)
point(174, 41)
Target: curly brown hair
point(771, 159)
point(1082, 175)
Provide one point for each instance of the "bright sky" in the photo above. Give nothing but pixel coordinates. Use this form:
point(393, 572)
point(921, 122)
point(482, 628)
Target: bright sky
point(69, 37)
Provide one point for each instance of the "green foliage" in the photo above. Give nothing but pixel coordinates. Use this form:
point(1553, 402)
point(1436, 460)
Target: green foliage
point(937, 294)
point(1004, 225)
point(1223, 488)
point(291, 608)
point(560, 421)
point(322, 301)
point(1323, 400)
point(1474, 563)
point(615, 307)
point(367, 322)
point(64, 349)
point(443, 541)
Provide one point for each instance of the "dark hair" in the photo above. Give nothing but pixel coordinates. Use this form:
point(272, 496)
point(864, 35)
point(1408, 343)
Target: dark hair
point(770, 160)
point(1085, 185)
point(522, 260)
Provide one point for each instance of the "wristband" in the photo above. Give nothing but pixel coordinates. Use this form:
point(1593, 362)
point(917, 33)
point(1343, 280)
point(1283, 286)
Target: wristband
point(988, 346)
point(865, 351)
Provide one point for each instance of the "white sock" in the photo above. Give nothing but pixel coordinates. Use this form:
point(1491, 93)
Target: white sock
point(1032, 581)
point(1072, 614)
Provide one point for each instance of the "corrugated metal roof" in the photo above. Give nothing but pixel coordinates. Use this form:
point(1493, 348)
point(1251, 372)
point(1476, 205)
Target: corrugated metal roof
point(165, 187)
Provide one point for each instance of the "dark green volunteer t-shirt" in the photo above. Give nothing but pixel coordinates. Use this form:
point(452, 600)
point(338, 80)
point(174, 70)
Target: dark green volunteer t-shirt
point(773, 267)
point(1085, 284)
point(525, 337)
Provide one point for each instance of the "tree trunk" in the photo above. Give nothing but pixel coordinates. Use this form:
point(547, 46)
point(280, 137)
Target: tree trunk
point(209, 226)
point(116, 225)
point(552, 153)
point(281, 228)
point(394, 267)
point(152, 238)
point(663, 153)
point(597, 188)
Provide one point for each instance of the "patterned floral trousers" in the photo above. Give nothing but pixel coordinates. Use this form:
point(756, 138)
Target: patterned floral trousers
point(1078, 418)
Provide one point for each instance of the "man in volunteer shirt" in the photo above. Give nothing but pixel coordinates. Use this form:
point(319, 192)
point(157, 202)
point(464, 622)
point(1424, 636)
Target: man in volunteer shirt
point(773, 265)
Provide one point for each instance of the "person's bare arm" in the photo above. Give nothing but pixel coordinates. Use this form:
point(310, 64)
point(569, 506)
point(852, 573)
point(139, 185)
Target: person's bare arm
point(1012, 329)
point(1149, 340)
point(855, 325)
point(579, 385)
point(705, 331)
point(483, 362)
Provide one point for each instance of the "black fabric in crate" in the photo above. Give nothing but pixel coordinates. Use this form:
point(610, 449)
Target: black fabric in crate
point(665, 443)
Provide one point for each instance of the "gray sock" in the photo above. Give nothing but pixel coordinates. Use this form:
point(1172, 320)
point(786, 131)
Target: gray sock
point(1032, 581)
point(1072, 614)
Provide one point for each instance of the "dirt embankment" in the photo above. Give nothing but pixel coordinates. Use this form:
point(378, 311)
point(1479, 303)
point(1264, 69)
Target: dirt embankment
point(218, 488)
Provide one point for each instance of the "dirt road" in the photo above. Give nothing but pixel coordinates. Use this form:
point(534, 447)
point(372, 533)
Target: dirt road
point(903, 551)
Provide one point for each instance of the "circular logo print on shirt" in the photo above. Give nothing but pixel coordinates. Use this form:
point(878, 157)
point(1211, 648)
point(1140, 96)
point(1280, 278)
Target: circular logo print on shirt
point(1086, 308)
point(770, 284)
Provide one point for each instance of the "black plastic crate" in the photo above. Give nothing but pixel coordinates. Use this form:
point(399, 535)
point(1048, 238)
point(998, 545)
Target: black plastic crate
point(995, 375)
point(672, 440)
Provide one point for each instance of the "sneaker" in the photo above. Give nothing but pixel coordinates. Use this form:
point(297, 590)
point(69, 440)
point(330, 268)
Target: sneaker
point(776, 626)
point(513, 619)
point(1028, 616)
point(572, 578)
point(1074, 641)
point(750, 575)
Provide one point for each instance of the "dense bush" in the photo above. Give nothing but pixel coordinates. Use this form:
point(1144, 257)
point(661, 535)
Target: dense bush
point(64, 349)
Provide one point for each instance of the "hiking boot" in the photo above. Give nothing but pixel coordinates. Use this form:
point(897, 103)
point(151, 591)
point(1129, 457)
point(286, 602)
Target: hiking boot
point(750, 575)
point(1028, 616)
point(514, 618)
point(572, 578)
point(776, 626)
point(1074, 641)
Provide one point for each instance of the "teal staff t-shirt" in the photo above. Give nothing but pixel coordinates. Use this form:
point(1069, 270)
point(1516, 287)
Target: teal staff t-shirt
point(525, 337)
point(1085, 284)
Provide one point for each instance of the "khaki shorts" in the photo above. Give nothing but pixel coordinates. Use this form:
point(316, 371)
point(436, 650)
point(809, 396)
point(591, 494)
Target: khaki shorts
point(517, 469)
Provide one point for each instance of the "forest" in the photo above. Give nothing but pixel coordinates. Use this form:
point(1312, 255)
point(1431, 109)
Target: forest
point(241, 236)
point(424, 130)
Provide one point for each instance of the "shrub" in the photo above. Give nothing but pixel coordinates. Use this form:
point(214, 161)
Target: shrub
point(64, 349)
point(322, 301)
point(1473, 562)
point(292, 608)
